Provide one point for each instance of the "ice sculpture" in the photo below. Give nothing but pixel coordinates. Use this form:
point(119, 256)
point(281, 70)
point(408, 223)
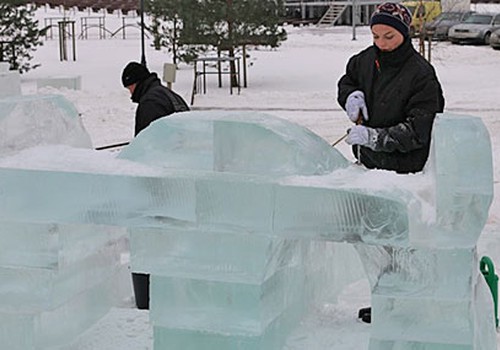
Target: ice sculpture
point(10, 81)
point(28, 121)
point(242, 220)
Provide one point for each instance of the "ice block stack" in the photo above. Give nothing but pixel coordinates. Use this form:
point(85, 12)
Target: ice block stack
point(10, 81)
point(220, 279)
point(57, 279)
point(432, 295)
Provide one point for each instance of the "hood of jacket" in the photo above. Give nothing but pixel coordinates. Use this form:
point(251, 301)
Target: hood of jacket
point(142, 87)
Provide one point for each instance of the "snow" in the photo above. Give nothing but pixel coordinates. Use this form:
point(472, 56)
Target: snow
point(297, 81)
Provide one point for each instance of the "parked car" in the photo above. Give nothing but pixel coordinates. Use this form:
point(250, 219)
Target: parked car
point(475, 29)
point(495, 39)
point(422, 12)
point(438, 28)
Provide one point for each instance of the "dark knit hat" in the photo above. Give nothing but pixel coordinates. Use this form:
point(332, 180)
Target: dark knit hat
point(392, 14)
point(133, 73)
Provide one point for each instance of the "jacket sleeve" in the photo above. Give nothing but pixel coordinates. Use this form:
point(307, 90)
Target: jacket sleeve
point(415, 131)
point(348, 82)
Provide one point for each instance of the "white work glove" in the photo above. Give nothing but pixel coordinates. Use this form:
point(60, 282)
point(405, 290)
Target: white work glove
point(363, 136)
point(355, 105)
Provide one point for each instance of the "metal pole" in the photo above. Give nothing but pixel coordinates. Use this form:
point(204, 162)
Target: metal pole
point(353, 19)
point(143, 54)
point(74, 39)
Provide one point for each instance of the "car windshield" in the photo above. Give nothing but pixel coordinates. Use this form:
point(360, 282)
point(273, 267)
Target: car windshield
point(479, 19)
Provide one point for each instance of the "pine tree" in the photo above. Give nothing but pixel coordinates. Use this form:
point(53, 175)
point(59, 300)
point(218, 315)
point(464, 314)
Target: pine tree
point(19, 31)
point(222, 24)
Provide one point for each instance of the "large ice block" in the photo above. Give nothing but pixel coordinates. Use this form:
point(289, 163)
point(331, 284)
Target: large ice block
point(57, 280)
point(431, 295)
point(244, 221)
point(33, 120)
point(10, 81)
point(462, 166)
point(242, 142)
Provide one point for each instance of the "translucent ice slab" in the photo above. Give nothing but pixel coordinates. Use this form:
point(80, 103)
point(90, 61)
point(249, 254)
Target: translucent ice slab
point(213, 255)
point(51, 328)
point(54, 246)
point(28, 121)
point(57, 280)
point(242, 142)
point(61, 261)
point(10, 82)
point(462, 167)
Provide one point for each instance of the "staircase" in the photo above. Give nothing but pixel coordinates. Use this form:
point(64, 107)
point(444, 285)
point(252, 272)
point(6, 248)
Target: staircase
point(331, 15)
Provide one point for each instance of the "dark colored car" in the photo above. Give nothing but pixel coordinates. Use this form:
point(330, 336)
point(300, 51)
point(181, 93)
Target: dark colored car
point(495, 39)
point(476, 29)
point(438, 28)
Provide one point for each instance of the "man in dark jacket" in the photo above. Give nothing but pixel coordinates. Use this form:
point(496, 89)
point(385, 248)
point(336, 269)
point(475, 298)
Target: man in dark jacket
point(393, 94)
point(154, 99)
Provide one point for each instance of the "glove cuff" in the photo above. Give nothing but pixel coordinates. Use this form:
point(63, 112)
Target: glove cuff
point(372, 138)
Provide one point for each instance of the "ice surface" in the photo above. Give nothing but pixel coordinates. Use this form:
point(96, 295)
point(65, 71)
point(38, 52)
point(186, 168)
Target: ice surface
point(236, 142)
point(462, 166)
point(10, 82)
point(431, 294)
point(243, 222)
point(28, 121)
point(57, 279)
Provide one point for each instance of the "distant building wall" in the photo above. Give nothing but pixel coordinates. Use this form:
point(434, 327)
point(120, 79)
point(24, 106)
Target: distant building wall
point(455, 5)
point(492, 7)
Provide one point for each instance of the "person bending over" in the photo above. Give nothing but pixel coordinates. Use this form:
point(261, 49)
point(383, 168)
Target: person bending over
point(154, 100)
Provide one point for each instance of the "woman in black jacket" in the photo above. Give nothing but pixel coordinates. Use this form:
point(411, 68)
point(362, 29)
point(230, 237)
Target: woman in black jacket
point(393, 94)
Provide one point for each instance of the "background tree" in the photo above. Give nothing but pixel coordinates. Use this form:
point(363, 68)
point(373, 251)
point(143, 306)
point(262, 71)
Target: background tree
point(220, 24)
point(226, 23)
point(18, 26)
point(165, 24)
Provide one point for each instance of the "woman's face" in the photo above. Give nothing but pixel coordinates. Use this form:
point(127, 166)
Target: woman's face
point(386, 38)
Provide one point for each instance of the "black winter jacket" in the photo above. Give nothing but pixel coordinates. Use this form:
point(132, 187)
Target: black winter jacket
point(403, 95)
point(155, 101)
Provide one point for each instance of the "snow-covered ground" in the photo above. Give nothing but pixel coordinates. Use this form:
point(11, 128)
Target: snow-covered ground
point(296, 81)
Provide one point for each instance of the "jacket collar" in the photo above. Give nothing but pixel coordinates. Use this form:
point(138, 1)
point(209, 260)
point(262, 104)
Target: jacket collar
point(143, 86)
point(397, 57)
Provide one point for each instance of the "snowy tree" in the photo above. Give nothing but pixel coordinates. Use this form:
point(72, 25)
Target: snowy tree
point(19, 34)
point(165, 25)
point(222, 24)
